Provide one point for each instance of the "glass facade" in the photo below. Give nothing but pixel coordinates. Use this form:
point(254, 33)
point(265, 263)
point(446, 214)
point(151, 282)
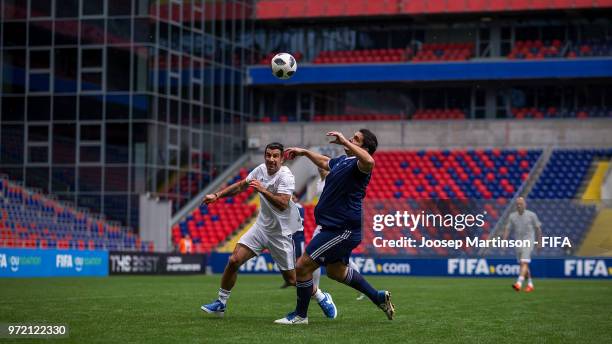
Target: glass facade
point(103, 100)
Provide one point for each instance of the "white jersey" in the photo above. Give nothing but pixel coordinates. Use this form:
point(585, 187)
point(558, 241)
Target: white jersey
point(320, 186)
point(300, 210)
point(271, 219)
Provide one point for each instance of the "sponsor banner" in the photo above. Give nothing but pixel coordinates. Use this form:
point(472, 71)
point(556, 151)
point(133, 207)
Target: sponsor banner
point(137, 263)
point(451, 267)
point(553, 268)
point(52, 263)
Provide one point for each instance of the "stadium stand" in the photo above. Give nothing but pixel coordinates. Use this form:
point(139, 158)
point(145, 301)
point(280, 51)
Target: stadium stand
point(462, 51)
point(438, 114)
point(362, 56)
point(277, 9)
point(444, 52)
point(211, 225)
point(536, 49)
point(420, 114)
point(555, 112)
point(29, 219)
point(478, 174)
point(591, 48)
point(356, 117)
point(565, 172)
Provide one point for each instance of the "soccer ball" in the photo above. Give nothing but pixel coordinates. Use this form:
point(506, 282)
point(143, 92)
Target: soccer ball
point(283, 65)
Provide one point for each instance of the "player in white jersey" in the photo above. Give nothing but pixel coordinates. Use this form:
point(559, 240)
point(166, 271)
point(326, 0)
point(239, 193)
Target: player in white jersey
point(316, 275)
point(278, 219)
point(525, 225)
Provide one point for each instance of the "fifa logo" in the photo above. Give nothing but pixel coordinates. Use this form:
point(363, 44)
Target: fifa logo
point(586, 268)
point(63, 261)
point(459, 266)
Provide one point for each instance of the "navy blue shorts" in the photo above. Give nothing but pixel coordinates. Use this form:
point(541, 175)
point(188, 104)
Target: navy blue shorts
point(331, 246)
point(298, 243)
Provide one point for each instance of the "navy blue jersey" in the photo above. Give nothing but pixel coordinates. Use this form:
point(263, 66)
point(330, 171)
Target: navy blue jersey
point(339, 206)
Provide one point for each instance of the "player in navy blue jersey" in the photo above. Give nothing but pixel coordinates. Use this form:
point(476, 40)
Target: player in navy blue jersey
point(339, 215)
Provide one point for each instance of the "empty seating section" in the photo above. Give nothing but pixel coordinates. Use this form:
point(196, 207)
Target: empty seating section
point(362, 56)
point(31, 220)
point(438, 114)
point(550, 112)
point(591, 48)
point(427, 52)
point(474, 174)
point(565, 172)
point(420, 114)
point(474, 182)
point(364, 117)
point(536, 49)
point(274, 9)
point(331, 118)
point(281, 118)
point(462, 51)
point(208, 226)
point(444, 52)
point(279, 9)
point(554, 112)
point(431, 52)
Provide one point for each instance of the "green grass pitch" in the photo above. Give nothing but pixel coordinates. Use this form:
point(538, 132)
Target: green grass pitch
point(429, 310)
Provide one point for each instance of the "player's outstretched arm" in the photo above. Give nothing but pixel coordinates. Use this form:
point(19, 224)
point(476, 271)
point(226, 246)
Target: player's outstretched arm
point(229, 191)
point(365, 161)
point(319, 160)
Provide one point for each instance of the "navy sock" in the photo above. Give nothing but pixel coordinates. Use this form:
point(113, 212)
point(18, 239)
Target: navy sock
point(304, 292)
point(356, 281)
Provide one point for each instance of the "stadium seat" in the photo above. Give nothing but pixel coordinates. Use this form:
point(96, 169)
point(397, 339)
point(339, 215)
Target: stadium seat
point(30, 219)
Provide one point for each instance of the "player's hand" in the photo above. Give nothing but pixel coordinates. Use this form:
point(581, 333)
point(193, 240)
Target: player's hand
point(339, 138)
point(291, 153)
point(210, 198)
point(256, 184)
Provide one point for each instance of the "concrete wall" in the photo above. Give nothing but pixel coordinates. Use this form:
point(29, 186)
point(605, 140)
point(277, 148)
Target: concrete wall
point(445, 134)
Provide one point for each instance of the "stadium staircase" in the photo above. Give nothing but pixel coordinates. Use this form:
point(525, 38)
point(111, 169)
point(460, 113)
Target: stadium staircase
point(537, 172)
point(598, 241)
point(592, 190)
